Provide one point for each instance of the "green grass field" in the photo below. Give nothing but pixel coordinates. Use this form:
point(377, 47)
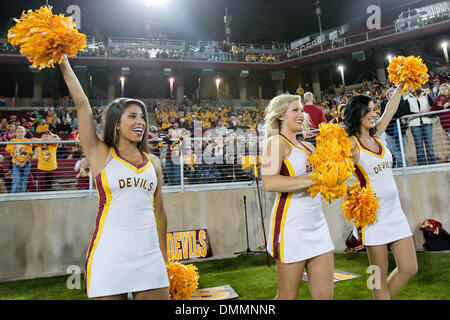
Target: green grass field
point(250, 277)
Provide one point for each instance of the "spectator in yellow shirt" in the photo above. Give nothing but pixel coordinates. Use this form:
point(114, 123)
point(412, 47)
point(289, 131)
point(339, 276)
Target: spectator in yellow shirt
point(42, 127)
point(20, 157)
point(46, 160)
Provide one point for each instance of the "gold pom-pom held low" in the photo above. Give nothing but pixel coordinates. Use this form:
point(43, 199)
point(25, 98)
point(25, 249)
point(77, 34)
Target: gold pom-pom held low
point(183, 279)
point(410, 70)
point(360, 207)
point(45, 38)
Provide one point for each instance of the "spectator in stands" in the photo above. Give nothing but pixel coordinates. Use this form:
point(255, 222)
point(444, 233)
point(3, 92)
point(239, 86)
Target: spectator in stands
point(172, 165)
point(52, 119)
point(25, 123)
point(155, 146)
point(3, 126)
point(191, 168)
point(75, 135)
point(82, 169)
point(42, 127)
point(435, 88)
point(3, 188)
point(316, 116)
point(47, 162)
point(73, 121)
point(28, 133)
point(234, 50)
point(75, 152)
point(392, 136)
point(64, 127)
point(35, 119)
point(442, 102)
point(210, 170)
point(339, 118)
point(419, 101)
point(20, 158)
point(10, 132)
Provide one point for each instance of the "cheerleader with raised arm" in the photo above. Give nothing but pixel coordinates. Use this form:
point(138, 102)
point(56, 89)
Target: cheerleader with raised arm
point(373, 167)
point(127, 253)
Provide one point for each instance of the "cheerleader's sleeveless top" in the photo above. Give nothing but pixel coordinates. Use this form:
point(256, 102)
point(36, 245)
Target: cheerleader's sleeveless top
point(124, 254)
point(297, 222)
point(375, 169)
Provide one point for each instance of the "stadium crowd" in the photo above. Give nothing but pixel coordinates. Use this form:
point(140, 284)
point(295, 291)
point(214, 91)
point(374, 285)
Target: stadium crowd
point(220, 125)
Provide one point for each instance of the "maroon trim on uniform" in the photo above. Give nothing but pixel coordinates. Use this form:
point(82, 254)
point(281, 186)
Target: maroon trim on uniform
point(363, 183)
point(307, 148)
point(101, 206)
point(380, 148)
point(279, 213)
point(142, 164)
point(360, 176)
point(303, 144)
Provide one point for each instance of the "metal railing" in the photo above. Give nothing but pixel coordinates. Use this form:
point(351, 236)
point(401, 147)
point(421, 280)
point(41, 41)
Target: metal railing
point(185, 162)
point(225, 160)
point(430, 143)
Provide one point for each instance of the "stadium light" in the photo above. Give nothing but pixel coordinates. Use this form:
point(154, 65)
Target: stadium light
point(389, 57)
point(341, 70)
point(154, 3)
point(444, 46)
point(122, 85)
point(217, 86)
point(171, 81)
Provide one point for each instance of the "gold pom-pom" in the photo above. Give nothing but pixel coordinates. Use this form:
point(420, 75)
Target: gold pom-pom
point(183, 279)
point(332, 162)
point(44, 38)
point(330, 178)
point(360, 207)
point(411, 70)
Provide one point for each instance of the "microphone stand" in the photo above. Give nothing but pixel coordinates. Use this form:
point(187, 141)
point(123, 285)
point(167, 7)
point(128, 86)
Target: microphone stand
point(262, 215)
point(247, 251)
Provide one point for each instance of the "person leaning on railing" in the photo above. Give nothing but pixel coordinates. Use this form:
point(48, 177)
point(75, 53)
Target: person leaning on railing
point(442, 102)
point(420, 101)
point(20, 158)
point(82, 169)
point(47, 162)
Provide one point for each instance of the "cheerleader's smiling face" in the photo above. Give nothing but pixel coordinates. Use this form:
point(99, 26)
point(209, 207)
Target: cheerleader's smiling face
point(370, 119)
point(132, 124)
point(293, 118)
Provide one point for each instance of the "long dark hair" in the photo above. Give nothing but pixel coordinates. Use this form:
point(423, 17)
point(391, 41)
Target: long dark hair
point(357, 107)
point(112, 114)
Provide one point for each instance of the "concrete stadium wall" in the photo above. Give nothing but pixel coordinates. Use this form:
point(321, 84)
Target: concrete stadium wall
point(44, 237)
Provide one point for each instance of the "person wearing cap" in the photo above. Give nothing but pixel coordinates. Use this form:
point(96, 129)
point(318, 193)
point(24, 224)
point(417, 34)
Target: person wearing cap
point(155, 146)
point(46, 159)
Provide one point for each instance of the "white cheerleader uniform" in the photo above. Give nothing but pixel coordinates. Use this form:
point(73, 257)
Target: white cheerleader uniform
point(375, 169)
point(297, 222)
point(124, 254)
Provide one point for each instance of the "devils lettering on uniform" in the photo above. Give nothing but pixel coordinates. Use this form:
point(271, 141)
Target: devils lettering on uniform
point(381, 166)
point(140, 183)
